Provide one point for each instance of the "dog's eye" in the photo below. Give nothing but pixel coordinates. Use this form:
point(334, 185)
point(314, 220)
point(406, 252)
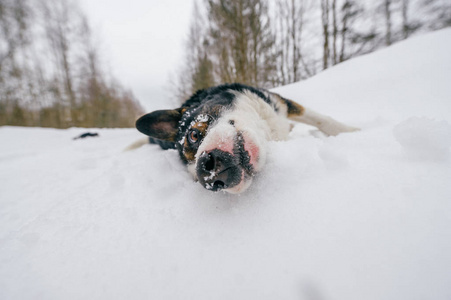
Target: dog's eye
point(193, 136)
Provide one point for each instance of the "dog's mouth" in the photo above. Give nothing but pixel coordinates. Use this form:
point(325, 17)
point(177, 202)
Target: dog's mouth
point(221, 169)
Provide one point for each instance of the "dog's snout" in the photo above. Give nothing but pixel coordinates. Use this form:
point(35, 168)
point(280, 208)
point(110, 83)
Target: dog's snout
point(218, 185)
point(209, 163)
point(217, 170)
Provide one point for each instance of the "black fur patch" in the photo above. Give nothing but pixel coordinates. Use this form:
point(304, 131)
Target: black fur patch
point(243, 156)
point(294, 109)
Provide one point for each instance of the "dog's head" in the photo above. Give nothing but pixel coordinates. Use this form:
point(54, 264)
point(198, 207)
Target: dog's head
point(222, 140)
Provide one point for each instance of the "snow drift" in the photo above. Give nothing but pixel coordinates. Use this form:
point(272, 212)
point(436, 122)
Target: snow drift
point(364, 215)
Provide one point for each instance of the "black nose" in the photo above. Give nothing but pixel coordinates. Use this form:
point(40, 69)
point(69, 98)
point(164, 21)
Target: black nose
point(217, 170)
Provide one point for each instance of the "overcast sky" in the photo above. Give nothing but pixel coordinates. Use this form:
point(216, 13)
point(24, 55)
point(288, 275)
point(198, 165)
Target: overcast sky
point(142, 41)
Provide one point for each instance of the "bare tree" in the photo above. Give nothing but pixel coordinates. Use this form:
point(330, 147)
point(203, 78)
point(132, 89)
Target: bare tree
point(61, 17)
point(290, 29)
point(196, 72)
point(14, 37)
point(388, 22)
point(334, 32)
point(405, 21)
point(325, 26)
point(199, 62)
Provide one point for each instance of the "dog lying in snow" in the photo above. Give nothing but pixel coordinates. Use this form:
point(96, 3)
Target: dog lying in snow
point(221, 133)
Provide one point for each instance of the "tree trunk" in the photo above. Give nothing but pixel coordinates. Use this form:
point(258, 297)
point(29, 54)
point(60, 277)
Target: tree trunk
point(387, 22)
point(335, 31)
point(405, 21)
point(325, 23)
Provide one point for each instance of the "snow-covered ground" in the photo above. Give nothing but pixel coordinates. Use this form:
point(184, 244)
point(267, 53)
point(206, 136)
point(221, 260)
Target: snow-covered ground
point(365, 215)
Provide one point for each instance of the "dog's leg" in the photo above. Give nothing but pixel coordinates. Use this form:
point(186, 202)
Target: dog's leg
point(326, 124)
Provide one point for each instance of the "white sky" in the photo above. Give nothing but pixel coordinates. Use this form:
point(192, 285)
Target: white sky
point(142, 41)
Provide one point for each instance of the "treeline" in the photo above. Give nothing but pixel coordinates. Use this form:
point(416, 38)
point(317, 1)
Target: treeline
point(272, 43)
point(51, 73)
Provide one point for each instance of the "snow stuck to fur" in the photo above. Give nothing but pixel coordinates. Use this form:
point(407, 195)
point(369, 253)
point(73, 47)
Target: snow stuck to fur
point(363, 215)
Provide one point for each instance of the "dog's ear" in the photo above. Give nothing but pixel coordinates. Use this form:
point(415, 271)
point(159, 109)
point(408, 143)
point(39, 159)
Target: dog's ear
point(160, 124)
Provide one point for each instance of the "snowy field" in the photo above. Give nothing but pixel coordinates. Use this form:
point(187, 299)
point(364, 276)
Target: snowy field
point(365, 215)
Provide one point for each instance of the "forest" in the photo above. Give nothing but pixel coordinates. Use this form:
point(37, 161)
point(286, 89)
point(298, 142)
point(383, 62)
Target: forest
point(52, 74)
point(51, 71)
point(272, 43)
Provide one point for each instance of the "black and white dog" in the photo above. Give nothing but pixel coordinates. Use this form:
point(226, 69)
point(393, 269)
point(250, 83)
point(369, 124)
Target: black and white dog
point(221, 133)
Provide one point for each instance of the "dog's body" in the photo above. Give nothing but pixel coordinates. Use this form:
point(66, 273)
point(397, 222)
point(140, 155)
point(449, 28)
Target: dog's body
point(221, 133)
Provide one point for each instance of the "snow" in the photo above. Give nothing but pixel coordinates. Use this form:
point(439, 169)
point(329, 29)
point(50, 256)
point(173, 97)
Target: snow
point(364, 215)
point(424, 139)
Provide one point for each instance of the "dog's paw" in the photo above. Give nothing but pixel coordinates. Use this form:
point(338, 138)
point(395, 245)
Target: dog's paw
point(337, 128)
